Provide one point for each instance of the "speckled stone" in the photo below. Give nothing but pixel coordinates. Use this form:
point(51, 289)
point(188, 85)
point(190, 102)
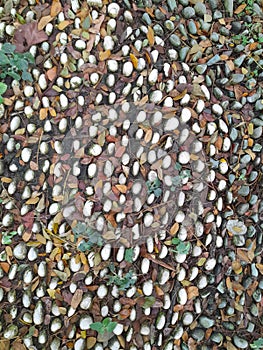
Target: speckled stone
point(188, 12)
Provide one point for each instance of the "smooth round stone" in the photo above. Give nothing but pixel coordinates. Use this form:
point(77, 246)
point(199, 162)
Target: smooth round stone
point(20, 251)
point(240, 342)
point(159, 14)
point(183, 52)
point(200, 9)
point(156, 96)
point(192, 27)
point(206, 322)
point(187, 318)
point(259, 105)
point(169, 25)
point(201, 68)
point(198, 334)
point(188, 12)
point(184, 157)
point(217, 109)
point(244, 190)
point(158, 30)
point(217, 337)
point(175, 40)
point(214, 60)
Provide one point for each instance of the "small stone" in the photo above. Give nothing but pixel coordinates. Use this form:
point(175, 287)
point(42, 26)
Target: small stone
point(184, 157)
point(20, 251)
point(206, 322)
point(200, 9)
point(201, 68)
point(217, 109)
point(240, 342)
point(156, 96)
point(215, 59)
point(113, 10)
point(259, 105)
point(175, 40)
point(188, 12)
point(237, 78)
point(198, 334)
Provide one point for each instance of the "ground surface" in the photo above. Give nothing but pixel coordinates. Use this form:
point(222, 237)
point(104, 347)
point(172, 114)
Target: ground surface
point(131, 175)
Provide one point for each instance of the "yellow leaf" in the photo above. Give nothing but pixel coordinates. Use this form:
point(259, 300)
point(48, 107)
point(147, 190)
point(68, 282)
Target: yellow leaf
point(201, 261)
point(43, 113)
point(103, 55)
point(134, 60)
point(32, 200)
point(55, 8)
point(181, 95)
point(250, 128)
point(240, 8)
point(41, 238)
point(260, 268)
point(52, 293)
point(6, 180)
point(44, 21)
point(150, 36)
point(62, 25)
point(174, 228)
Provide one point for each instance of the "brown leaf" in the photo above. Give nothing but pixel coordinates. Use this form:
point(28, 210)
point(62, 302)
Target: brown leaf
point(55, 8)
point(77, 297)
point(52, 73)
point(33, 200)
point(243, 255)
point(17, 346)
point(134, 60)
point(240, 8)
point(27, 35)
point(150, 36)
point(174, 228)
point(260, 268)
point(62, 25)
point(44, 21)
point(103, 55)
point(192, 292)
point(124, 313)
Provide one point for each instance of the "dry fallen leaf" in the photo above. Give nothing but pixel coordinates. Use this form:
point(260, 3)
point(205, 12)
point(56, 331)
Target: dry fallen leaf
point(240, 8)
point(150, 36)
point(27, 35)
point(134, 60)
point(44, 21)
point(77, 297)
point(55, 8)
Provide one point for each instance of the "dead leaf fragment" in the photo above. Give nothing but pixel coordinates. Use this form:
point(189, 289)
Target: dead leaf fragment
point(240, 8)
point(44, 21)
point(27, 35)
point(55, 8)
point(150, 36)
point(77, 297)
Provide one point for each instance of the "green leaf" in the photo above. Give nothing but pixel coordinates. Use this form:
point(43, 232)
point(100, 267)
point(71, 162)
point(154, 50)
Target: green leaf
point(14, 75)
point(149, 301)
point(158, 192)
point(98, 327)
point(8, 48)
point(111, 326)
point(3, 88)
point(178, 166)
point(6, 240)
point(1, 99)
point(128, 255)
point(4, 60)
point(21, 64)
point(106, 321)
point(27, 76)
point(84, 246)
point(86, 23)
point(176, 240)
point(20, 19)
point(257, 344)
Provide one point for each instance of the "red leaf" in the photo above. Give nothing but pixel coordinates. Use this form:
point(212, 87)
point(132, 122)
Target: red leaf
point(27, 35)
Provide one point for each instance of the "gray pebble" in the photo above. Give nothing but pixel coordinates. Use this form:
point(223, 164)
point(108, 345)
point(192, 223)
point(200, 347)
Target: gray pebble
point(214, 60)
point(257, 132)
point(244, 190)
point(201, 68)
point(175, 40)
point(229, 7)
point(198, 334)
point(259, 105)
point(188, 12)
point(200, 9)
point(206, 322)
point(172, 4)
point(240, 342)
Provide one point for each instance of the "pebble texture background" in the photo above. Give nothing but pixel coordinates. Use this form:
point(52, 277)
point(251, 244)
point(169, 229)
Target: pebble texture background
point(193, 67)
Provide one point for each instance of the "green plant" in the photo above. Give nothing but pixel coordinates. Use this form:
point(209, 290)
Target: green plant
point(7, 237)
point(257, 344)
point(154, 187)
point(94, 237)
point(128, 256)
point(3, 88)
point(122, 282)
point(107, 325)
point(180, 246)
point(15, 64)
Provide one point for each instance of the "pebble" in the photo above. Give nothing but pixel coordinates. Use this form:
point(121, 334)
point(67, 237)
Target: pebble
point(175, 40)
point(188, 12)
point(20, 251)
point(240, 342)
